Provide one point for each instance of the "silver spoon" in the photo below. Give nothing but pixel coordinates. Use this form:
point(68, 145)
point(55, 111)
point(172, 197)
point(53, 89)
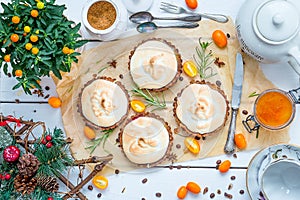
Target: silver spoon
point(142, 17)
point(149, 27)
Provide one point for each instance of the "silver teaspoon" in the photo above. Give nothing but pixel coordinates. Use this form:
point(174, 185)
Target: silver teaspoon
point(149, 27)
point(142, 17)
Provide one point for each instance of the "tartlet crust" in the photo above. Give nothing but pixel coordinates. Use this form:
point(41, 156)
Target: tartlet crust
point(183, 126)
point(87, 121)
point(166, 125)
point(178, 58)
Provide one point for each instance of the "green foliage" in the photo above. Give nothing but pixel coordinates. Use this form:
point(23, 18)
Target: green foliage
point(54, 32)
point(204, 60)
point(56, 158)
point(151, 100)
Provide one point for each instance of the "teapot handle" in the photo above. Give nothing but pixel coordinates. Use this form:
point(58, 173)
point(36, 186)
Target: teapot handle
point(294, 53)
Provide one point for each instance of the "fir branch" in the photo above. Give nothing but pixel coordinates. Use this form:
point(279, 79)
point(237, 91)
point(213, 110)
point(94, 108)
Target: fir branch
point(102, 139)
point(203, 60)
point(150, 99)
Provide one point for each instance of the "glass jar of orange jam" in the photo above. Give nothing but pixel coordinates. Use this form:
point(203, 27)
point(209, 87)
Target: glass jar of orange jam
point(274, 109)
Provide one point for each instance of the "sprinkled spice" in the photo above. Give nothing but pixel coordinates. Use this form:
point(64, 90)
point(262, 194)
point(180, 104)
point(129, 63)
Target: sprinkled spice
point(205, 190)
point(117, 171)
point(219, 191)
point(232, 178)
point(181, 78)
point(123, 190)
point(242, 192)
point(90, 187)
point(212, 195)
point(99, 195)
point(178, 146)
point(245, 112)
point(229, 196)
point(101, 15)
point(176, 130)
point(158, 194)
point(144, 180)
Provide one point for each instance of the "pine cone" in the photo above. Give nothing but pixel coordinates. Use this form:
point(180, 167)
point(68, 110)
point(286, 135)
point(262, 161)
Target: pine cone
point(48, 183)
point(28, 165)
point(24, 185)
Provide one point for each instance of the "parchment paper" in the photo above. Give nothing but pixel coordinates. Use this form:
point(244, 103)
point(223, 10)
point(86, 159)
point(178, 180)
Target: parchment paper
point(92, 61)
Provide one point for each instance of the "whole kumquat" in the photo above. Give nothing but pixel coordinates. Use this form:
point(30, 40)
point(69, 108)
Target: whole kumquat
point(66, 50)
point(15, 19)
point(219, 38)
point(182, 192)
point(27, 29)
point(192, 4)
point(40, 5)
point(193, 187)
point(35, 50)
point(224, 166)
point(137, 106)
point(7, 58)
point(100, 182)
point(28, 46)
point(14, 37)
point(72, 51)
point(190, 68)
point(18, 73)
point(34, 13)
point(34, 38)
point(54, 102)
point(192, 145)
point(89, 133)
point(240, 141)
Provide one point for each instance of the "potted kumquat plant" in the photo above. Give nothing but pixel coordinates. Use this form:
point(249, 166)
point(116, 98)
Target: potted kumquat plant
point(36, 39)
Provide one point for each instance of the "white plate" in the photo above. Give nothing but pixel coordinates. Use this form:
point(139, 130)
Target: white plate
point(261, 160)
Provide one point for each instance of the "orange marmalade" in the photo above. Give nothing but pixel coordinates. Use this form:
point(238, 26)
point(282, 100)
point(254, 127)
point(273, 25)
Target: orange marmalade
point(274, 109)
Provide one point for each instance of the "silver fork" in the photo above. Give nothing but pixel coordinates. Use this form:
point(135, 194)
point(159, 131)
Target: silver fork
point(170, 8)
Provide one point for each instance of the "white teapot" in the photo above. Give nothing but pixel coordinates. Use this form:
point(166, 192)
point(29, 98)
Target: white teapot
point(269, 30)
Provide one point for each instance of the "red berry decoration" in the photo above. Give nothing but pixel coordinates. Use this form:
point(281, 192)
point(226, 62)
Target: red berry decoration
point(50, 198)
point(7, 176)
point(1, 177)
point(43, 141)
point(11, 153)
point(48, 138)
point(49, 144)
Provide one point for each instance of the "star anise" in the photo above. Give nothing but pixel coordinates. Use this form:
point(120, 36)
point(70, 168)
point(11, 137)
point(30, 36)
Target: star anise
point(112, 63)
point(172, 157)
point(40, 93)
point(218, 62)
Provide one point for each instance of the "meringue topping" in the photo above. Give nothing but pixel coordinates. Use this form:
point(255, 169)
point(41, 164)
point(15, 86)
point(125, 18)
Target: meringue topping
point(201, 109)
point(145, 140)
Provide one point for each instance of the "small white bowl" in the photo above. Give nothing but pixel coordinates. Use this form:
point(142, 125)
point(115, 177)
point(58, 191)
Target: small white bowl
point(280, 180)
point(112, 32)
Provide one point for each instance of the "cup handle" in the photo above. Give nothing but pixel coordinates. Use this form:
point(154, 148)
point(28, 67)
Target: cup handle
point(248, 127)
point(294, 53)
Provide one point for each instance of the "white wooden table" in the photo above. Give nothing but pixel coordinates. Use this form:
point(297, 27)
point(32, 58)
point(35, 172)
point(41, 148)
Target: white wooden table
point(163, 181)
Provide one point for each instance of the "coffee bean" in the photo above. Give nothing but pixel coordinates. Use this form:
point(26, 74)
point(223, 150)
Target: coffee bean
point(212, 195)
point(232, 178)
point(245, 112)
point(242, 191)
point(158, 194)
point(144, 180)
point(99, 195)
point(117, 171)
point(121, 76)
point(90, 187)
point(219, 191)
point(218, 162)
point(178, 146)
point(205, 190)
point(181, 78)
point(47, 88)
point(229, 196)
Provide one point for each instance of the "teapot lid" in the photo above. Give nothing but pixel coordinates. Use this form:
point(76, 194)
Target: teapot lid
point(276, 21)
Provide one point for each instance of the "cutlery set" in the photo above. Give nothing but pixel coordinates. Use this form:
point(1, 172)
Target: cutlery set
point(146, 24)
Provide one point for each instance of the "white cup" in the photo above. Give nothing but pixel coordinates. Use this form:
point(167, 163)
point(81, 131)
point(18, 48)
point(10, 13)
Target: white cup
point(280, 180)
point(93, 29)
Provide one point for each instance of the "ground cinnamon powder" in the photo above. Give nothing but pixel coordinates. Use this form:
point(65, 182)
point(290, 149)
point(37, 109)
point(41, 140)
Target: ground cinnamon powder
point(101, 15)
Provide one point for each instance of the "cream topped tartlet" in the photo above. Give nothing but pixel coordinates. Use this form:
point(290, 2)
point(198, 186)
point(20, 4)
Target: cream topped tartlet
point(146, 139)
point(103, 103)
point(201, 108)
point(155, 64)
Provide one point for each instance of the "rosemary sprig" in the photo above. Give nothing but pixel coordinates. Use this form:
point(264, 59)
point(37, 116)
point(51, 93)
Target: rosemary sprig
point(204, 60)
point(150, 99)
point(102, 139)
point(253, 94)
